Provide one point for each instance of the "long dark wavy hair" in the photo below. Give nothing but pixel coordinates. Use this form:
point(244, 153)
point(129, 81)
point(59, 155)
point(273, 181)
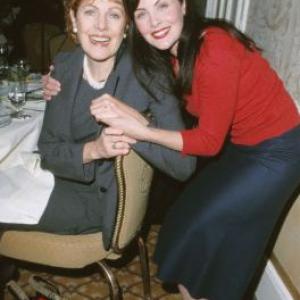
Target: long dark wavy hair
point(147, 59)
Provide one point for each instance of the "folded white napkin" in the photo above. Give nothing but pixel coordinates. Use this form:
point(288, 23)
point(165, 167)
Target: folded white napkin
point(24, 191)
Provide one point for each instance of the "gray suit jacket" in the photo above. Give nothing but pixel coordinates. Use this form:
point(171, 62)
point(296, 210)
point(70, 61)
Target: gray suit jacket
point(84, 197)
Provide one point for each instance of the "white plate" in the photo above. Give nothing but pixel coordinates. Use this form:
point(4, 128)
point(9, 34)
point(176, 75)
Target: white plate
point(35, 105)
point(32, 86)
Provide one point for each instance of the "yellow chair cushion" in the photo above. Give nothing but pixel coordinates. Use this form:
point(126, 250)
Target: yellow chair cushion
point(66, 251)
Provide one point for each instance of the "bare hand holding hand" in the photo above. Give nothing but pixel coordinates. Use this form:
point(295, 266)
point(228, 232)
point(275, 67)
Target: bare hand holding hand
point(116, 114)
point(111, 143)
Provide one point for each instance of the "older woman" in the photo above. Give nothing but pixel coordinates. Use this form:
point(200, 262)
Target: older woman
point(73, 145)
point(78, 150)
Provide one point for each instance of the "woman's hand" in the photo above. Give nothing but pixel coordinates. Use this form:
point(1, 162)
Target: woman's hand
point(107, 100)
point(116, 114)
point(111, 143)
point(51, 87)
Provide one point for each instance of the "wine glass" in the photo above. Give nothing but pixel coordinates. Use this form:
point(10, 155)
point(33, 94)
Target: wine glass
point(3, 61)
point(17, 97)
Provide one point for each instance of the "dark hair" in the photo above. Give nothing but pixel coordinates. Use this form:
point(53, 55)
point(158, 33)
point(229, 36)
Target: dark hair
point(150, 63)
point(151, 60)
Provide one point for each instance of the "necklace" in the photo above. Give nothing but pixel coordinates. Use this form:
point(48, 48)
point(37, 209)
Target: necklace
point(97, 85)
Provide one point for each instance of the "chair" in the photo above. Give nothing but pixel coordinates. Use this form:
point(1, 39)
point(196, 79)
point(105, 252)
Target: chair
point(36, 38)
point(134, 177)
point(60, 42)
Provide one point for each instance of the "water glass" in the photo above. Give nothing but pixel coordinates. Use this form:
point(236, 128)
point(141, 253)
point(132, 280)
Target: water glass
point(17, 97)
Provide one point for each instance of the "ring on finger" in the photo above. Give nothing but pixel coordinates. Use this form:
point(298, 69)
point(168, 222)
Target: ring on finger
point(114, 145)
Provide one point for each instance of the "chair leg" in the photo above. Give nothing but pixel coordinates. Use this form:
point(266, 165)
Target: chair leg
point(114, 288)
point(8, 271)
point(144, 268)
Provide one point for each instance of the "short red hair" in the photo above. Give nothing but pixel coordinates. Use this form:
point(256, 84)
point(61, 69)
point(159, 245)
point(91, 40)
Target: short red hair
point(72, 5)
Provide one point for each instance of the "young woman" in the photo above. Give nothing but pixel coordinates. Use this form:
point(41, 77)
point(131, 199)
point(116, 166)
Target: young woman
point(215, 236)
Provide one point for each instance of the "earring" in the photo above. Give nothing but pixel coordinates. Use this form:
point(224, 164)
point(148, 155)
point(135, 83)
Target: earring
point(75, 29)
point(125, 31)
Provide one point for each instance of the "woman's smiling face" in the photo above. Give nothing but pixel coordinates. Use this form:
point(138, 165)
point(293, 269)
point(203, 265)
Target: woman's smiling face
point(100, 27)
point(160, 22)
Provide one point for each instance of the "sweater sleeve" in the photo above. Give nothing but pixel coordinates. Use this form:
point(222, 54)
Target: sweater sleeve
point(214, 94)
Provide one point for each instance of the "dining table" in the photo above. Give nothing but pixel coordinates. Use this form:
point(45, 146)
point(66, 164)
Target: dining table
point(19, 136)
point(25, 187)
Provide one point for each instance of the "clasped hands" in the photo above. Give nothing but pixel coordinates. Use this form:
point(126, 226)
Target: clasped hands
point(114, 113)
point(126, 125)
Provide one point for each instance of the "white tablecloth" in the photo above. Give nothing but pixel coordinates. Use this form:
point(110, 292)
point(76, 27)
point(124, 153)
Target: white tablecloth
point(24, 187)
point(19, 136)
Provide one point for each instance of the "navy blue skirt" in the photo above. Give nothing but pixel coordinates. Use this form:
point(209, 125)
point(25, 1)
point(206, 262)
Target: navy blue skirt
point(214, 237)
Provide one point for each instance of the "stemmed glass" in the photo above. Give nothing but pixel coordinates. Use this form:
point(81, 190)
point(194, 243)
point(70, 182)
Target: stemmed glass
point(17, 97)
point(3, 61)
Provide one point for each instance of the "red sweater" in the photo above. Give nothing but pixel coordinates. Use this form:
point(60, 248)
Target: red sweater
point(235, 92)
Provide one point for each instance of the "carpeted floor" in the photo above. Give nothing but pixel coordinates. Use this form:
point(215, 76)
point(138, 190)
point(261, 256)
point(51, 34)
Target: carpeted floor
point(88, 284)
